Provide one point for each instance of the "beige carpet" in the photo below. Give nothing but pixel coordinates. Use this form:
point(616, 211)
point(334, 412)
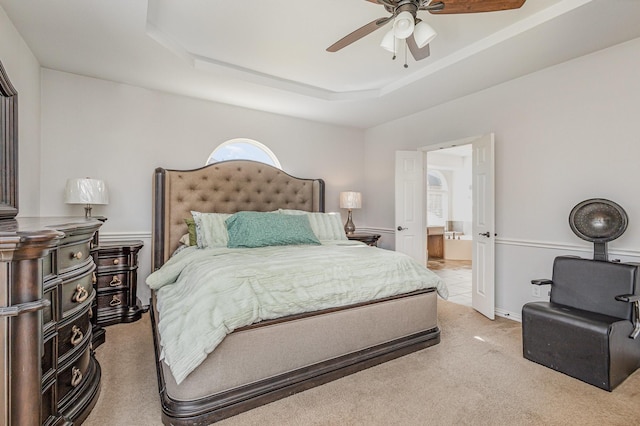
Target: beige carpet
point(475, 376)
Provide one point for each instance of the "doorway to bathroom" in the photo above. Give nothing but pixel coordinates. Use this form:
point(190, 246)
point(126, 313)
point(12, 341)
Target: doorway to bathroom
point(449, 197)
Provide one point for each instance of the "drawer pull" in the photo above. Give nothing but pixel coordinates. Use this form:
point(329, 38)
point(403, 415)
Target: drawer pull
point(116, 261)
point(76, 376)
point(76, 336)
point(80, 294)
point(115, 301)
point(94, 278)
point(90, 313)
point(115, 281)
point(77, 255)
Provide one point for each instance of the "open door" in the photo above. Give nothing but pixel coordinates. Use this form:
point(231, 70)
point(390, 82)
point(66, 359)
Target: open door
point(409, 208)
point(483, 228)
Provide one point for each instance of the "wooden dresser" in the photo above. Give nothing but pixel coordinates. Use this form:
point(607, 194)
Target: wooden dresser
point(47, 275)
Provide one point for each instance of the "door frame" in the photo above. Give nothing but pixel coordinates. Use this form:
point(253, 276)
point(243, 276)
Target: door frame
point(452, 144)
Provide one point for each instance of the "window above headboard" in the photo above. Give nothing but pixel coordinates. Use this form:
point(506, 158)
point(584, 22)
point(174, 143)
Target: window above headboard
point(243, 149)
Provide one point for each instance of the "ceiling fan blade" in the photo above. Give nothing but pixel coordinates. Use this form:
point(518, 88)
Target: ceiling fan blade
point(417, 53)
point(358, 34)
point(475, 6)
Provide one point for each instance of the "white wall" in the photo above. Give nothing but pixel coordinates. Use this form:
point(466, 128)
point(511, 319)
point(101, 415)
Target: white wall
point(121, 133)
point(563, 135)
point(23, 70)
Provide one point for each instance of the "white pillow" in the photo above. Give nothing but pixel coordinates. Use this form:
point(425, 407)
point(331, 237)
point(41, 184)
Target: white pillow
point(211, 231)
point(326, 226)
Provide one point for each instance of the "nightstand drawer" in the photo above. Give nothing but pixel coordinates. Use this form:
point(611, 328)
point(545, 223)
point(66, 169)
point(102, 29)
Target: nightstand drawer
point(73, 256)
point(113, 300)
point(112, 281)
point(73, 334)
point(112, 261)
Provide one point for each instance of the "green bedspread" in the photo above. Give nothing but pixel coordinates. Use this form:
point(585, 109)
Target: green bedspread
point(204, 294)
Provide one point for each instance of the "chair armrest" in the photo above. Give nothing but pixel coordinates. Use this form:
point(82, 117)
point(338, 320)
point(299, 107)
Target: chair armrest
point(628, 298)
point(542, 281)
point(635, 299)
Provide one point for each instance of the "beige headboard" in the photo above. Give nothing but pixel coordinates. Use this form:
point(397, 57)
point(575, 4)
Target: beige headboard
point(225, 187)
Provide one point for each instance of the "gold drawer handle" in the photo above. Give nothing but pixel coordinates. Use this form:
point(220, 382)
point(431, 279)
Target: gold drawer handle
point(90, 313)
point(94, 278)
point(76, 336)
point(115, 282)
point(76, 376)
point(80, 295)
point(115, 301)
point(116, 261)
point(77, 255)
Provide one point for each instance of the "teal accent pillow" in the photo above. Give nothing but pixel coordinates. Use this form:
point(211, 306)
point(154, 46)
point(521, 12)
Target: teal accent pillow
point(256, 229)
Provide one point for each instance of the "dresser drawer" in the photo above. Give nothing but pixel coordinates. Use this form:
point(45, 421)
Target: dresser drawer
point(73, 375)
point(113, 281)
point(113, 300)
point(48, 357)
point(48, 402)
point(49, 313)
point(73, 255)
point(73, 334)
point(77, 292)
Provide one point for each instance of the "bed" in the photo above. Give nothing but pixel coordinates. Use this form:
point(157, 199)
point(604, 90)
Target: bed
point(275, 357)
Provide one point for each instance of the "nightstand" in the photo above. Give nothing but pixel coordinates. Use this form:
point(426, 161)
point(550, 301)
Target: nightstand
point(369, 239)
point(117, 282)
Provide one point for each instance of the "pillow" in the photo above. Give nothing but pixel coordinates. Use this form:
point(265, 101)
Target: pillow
point(326, 226)
point(211, 230)
point(185, 240)
point(191, 226)
point(257, 229)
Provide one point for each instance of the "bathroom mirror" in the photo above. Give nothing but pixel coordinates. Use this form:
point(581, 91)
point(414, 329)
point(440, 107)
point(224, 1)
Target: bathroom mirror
point(8, 147)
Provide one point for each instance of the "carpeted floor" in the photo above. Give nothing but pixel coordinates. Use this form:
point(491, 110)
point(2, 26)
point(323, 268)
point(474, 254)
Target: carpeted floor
point(475, 376)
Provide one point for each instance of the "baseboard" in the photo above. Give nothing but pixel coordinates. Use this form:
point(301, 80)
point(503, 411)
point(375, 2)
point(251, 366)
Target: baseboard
point(509, 315)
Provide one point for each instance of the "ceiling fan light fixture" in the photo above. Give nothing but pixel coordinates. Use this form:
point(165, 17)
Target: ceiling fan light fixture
point(403, 25)
point(423, 34)
point(389, 42)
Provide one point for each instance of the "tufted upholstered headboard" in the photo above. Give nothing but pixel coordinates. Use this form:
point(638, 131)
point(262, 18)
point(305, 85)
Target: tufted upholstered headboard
point(224, 187)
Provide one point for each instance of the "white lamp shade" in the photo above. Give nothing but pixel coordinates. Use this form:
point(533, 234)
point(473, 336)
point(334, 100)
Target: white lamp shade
point(403, 25)
point(423, 34)
point(350, 200)
point(86, 191)
point(390, 42)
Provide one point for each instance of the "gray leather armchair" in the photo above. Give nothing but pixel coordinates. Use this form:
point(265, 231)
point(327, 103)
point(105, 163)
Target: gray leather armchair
point(589, 329)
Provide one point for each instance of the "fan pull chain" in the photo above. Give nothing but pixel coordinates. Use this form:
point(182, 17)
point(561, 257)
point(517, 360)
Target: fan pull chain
point(405, 56)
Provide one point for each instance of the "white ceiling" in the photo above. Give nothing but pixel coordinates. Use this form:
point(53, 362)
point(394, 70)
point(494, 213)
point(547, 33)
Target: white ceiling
point(270, 54)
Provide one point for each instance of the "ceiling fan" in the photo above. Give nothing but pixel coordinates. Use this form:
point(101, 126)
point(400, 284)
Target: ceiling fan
point(407, 26)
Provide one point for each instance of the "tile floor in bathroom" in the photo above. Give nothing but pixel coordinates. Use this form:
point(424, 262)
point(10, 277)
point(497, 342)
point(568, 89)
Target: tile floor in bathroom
point(457, 275)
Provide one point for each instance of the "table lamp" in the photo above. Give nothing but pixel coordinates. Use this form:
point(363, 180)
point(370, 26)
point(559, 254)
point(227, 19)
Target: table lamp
point(350, 200)
point(86, 191)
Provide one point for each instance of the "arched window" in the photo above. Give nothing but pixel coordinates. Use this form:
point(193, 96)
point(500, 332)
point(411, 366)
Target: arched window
point(243, 149)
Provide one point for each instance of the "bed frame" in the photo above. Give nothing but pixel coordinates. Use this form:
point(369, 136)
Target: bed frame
point(239, 383)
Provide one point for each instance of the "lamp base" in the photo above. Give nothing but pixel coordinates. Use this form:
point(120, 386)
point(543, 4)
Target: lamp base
point(349, 227)
point(87, 210)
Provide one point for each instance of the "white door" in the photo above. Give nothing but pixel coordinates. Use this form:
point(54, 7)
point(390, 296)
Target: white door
point(409, 186)
point(483, 228)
